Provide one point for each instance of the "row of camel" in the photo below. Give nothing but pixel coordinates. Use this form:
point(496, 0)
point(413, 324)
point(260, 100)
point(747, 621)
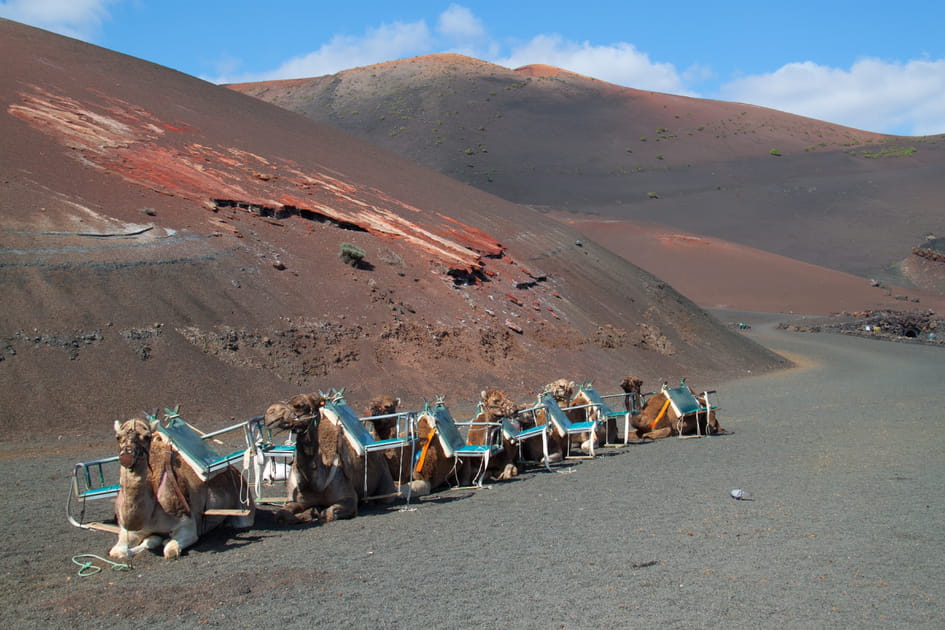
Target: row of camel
point(161, 496)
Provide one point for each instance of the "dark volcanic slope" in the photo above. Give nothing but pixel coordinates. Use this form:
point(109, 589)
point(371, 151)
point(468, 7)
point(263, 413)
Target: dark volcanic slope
point(165, 241)
point(825, 194)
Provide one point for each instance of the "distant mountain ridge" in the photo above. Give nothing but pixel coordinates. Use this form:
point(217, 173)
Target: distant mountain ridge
point(821, 193)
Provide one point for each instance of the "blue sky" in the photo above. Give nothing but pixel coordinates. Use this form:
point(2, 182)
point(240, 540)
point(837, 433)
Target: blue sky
point(875, 65)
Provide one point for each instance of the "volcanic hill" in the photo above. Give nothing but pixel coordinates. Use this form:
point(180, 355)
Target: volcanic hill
point(166, 240)
point(589, 151)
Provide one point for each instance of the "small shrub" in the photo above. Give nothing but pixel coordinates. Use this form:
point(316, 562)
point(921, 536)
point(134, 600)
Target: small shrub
point(652, 195)
point(351, 254)
point(775, 152)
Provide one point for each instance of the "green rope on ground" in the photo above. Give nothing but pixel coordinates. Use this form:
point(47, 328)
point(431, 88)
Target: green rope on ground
point(89, 568)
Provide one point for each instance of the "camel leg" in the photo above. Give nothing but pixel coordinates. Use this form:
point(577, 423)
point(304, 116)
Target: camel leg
point(294, 513)
point(183, 536)
point(150, 542)
point(130, 544)
point(418, 488)
point(714, 427)
point(346, 508)
point(586, 443)
point(659, 433)
point(510, 471)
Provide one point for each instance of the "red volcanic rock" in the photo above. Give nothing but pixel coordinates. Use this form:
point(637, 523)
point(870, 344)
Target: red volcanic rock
point(127, 140)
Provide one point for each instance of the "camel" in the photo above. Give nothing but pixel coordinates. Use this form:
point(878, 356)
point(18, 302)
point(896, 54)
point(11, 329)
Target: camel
point(384, 428)
point(369, 471)
point(318, 488)
point(398, 462)
point(160, 494)
point(633, 388)
point(495, 406)
point(658, 419)
point(607, 427)
point(562, 390)
point(434, 467)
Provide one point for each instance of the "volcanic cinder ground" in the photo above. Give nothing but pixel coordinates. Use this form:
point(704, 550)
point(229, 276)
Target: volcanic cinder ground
point(167, 241)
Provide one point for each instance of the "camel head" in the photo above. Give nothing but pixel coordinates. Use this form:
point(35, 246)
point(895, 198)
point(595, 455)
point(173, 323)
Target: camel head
point(631, 385)
point(134, 441)
point(296, 415)
point(382, 405)
point(562, 390)
point(307, 404)
point(496, 404)
point(386, 428)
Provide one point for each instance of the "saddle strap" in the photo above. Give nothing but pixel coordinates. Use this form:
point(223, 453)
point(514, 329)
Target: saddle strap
point(423, 451)
point(168, 476)
point(661, 414)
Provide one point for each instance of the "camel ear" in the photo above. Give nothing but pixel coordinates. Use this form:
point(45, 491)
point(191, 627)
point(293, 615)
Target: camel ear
point(154, 425)
point(397, 401)
point(482, 394)
point(117, 427)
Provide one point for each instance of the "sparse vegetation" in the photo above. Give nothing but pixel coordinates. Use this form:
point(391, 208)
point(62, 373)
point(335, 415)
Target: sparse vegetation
point(889, 152)
point(351, 254)
point(652, 195)
point(775, 152)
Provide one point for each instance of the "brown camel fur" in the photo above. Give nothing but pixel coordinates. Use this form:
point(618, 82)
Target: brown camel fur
point(434, 467)
point(385, 428)
point(318, 488)
point(161, 495)
point(562, 390)
point(496, 406)
point(399, 461)
point(606, 427)
point(369, 473)
point(658, 420)
point(633, 388)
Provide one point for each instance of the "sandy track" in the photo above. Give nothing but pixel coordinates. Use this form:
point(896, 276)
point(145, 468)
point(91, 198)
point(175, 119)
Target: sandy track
point(843, 457)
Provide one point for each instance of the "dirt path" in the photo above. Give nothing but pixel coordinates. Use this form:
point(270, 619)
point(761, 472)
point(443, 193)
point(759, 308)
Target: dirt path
point(844, 457)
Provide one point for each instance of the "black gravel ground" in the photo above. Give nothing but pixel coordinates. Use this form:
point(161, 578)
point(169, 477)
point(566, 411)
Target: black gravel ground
point(843, 457)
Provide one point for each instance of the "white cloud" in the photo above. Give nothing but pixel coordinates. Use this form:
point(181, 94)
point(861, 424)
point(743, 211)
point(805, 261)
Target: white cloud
point(873, 95)
point(383, 43)
point(73, 18)
point(619, 63)
point(459, 24)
